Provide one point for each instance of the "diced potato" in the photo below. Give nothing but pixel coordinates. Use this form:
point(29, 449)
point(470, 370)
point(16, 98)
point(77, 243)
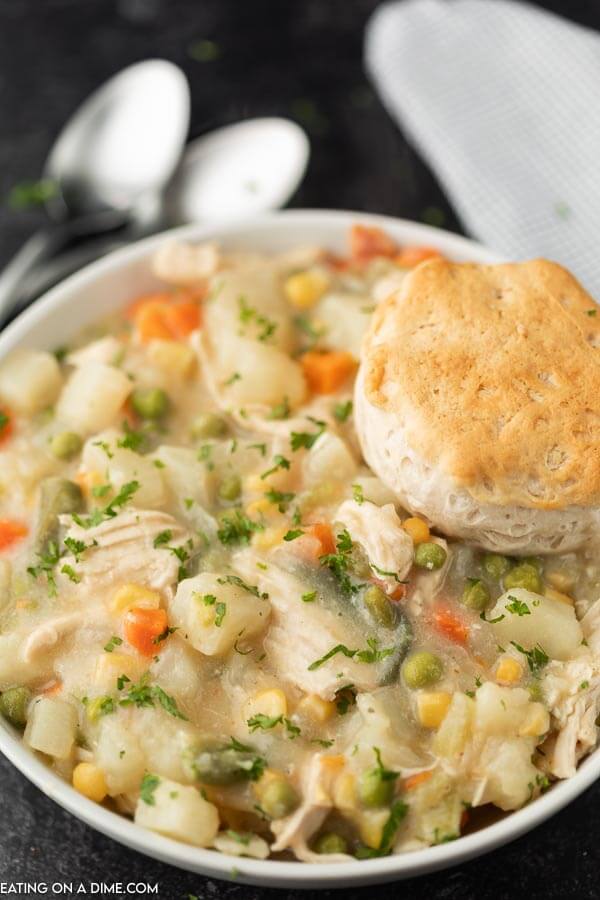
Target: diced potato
point(51, 727)
point(537, 721)
point(259, 373)
point(119, 755)
point(549, 623)
point(185, 475)
point(128, 595)
point(177, 670)
point(371, 823)
point(30, 381)
point(455, 729)
point(344, 792)
point(328, 458)
point(179, 812)
point(109, 666)
point(345, 318)
point(500, 710)
point(212, 613)
point(93, 397)
point(506, 764)
point(172, 357)
point(121, 465)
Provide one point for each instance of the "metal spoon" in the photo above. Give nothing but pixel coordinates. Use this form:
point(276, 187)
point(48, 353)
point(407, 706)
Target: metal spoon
point(110, 162)
point(234, 172)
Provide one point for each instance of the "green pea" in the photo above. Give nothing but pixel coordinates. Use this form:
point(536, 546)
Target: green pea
point(331, 843)
point(13, 705)
point(421, 669)
point(208, 425)
point(536, 562)
point(278, 798)
point(150, 403)
point(430, 556)
point(379, 607)
point(230, 488)
point(65, 445)
point(373, 789)
point(475, 595)
point(495, 565)
point(524, 575)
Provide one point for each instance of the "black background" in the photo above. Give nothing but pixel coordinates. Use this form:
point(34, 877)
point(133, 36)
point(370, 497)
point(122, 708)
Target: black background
point(300, 58)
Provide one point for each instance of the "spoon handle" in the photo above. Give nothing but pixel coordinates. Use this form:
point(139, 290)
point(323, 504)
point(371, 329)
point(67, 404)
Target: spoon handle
point(44, 244)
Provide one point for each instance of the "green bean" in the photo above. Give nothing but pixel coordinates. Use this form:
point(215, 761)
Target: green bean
point(221, 765)
point(379, 607)
point(13, 705)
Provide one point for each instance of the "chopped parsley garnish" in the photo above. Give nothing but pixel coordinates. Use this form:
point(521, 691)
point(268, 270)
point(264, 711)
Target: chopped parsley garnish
point(398, 812)
point(243, 839)
point(591, 312)
point(342, 411)
point(537, 657)
point(162, 538)
point(280, 410)
point(491, 621)
point(170, 629)
point(110, 511)
point(281, 499)
point(344, 699)
point(292, 534)
point(517, 607)
point(232, 379)
point(162, 541)
point(148, 787)
point(279, 462)
point(101, 490)
point(386, 573)
point(299, 439)
point(262, 448)
point(339, 563)
point(384, 774)
point(71, 574)
point(237, 528)
point(114, 641)
point(357, 494)
point(145, 694)
point(239, 582)
point(249, 314)
point(370, 655)
point(131, 440)
point(4, 420)
point(47, 561)
point(265, 723)
point(309, 596)
point(308, 328)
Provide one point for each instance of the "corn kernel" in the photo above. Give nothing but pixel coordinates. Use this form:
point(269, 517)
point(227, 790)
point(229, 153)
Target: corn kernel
point(110, 665)
point(344, 791)
point(270, 537)
point(537, 721)
point(271, 702)
point(89, 780)
point(316, 708)
point(259, 507)
point(172, 357)
point(418, 529)
point(562, 581)
point(129, 595)
point(432, 707)
point(558, 595)
point(508, 671)
point(304, 289)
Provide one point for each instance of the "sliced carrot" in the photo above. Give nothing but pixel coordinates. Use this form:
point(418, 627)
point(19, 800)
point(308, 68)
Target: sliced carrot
point(145, 300)
point(323, 533)
point(161, 320)
point(413, 255)
point(413, 781)
point(448, 624)
point(142, 627)
point(6, 424)
point(367, 242)
point(11, 532)
point(52, 688)
point(326, 372)
point(339, 263)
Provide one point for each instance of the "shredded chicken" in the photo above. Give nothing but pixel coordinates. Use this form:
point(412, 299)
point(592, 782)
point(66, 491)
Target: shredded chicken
point(293, 832)
point(302, 633)
point(378, 530)
point(122, 549)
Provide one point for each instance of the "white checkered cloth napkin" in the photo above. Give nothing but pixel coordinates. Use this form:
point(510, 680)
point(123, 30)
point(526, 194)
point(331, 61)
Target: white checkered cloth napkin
point(503, 101)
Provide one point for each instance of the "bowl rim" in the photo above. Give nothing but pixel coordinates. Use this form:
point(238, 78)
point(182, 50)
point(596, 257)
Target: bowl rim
point(274, 873)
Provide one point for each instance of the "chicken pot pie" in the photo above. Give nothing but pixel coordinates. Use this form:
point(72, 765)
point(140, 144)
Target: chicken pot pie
point(218, 621)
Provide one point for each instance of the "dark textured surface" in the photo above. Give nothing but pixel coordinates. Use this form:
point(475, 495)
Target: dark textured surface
point(301, 59)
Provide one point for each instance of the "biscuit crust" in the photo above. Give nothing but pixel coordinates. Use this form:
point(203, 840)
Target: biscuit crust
point(493, 373)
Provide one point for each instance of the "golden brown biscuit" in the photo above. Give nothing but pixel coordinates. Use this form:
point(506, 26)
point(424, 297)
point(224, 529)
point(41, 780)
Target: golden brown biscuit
point(484, 382)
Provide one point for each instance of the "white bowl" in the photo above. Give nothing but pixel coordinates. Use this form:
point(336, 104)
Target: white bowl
point(110, 283)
